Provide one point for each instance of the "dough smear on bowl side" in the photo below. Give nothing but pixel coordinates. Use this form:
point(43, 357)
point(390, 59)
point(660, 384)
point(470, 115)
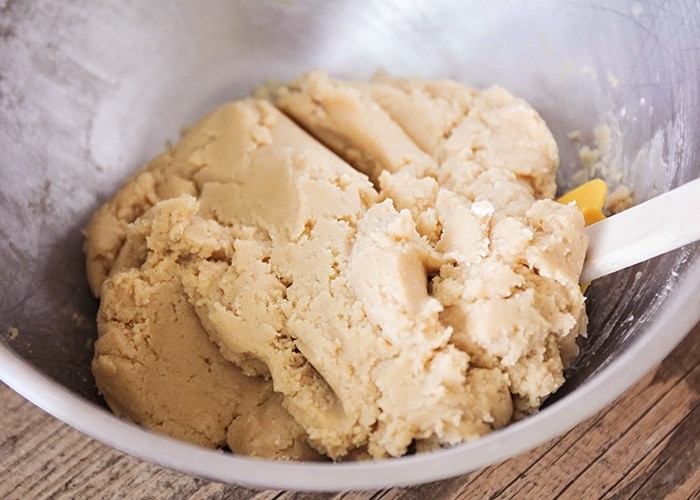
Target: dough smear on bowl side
point(385, 285)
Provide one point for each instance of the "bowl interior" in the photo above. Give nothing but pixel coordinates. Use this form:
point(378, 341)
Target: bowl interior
point(89, 91)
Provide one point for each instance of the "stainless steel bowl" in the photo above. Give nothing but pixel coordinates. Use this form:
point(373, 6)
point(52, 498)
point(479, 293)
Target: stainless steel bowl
point(90, 90)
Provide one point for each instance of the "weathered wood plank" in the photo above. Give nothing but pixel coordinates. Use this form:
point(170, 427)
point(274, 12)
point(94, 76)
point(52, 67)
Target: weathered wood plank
point(671, 468)
point(620, 454)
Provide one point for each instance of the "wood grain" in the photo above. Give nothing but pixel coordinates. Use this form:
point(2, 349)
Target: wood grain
point(643, 446)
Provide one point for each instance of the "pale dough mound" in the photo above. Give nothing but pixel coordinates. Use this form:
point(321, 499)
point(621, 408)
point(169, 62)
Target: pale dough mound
point(258, 290)
point(154, 362)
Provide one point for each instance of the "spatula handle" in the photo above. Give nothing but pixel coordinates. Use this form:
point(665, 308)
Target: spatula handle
point(652, 228)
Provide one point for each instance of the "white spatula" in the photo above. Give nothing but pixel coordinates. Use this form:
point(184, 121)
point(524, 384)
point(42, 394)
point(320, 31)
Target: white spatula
point(657, 226)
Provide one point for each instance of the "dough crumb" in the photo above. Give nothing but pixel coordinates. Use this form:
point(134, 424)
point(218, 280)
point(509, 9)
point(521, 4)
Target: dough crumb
point(617, 201)
point(597, 158)
point(13, 332)
point(574, 135)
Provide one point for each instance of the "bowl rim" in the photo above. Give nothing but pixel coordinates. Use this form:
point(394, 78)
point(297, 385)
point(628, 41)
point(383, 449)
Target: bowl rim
point(674, 319)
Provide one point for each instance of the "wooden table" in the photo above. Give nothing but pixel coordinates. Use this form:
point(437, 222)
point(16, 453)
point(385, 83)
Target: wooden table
point(644, 445)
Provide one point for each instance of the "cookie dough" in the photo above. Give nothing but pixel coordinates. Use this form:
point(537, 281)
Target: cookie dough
point(155, 364)
point(343, 269)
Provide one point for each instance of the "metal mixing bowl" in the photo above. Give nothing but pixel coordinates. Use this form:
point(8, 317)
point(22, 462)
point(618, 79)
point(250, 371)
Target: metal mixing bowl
point(90, 90)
